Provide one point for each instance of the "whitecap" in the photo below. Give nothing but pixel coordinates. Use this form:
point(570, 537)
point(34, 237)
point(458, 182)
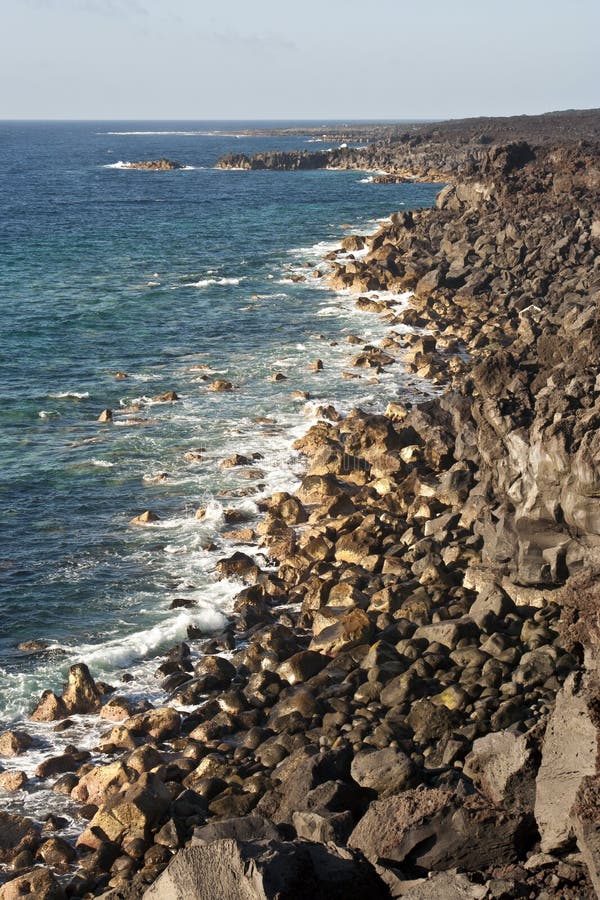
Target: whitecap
point(70, 395)
point(48, 414)
point(205, 282)
point(121, 652)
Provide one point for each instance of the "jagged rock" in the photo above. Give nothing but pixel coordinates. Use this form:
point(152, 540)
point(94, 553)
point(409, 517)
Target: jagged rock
point(302, 666)
point(386, 771)
point(569, 753)
point(503, 766)
point(56, 852)
point(39, 883)
point(133, 811)
point(246, 828)
point(17, 833)
point(14, 743)
point(447, 885)
point(239, 565)
point(432, 829)
point(145, 518)
point(491, 607)
point(350, 630)
point(262, 870)
point(585, 818)
point(100, 782)
point(49, 708)
point(81, 694)
point(12, 780)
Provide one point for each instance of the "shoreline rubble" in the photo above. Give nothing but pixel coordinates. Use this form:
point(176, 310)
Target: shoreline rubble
point(405, 700)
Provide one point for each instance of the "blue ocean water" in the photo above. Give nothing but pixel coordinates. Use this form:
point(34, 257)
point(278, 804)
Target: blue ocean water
point(172, 278)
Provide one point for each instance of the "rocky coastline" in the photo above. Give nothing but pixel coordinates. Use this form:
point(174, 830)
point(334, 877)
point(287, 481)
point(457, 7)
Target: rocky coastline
point(405, 701)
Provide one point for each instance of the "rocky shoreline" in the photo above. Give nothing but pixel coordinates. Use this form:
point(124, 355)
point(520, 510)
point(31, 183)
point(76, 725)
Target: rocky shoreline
point(405, 701)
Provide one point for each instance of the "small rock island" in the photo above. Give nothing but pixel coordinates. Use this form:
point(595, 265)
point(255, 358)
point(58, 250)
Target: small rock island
point(156, 165)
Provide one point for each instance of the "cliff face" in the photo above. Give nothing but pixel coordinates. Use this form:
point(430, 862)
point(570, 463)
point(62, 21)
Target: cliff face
point(507, 264)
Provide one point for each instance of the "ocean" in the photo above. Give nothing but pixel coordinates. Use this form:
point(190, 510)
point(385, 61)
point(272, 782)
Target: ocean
point(174, 279)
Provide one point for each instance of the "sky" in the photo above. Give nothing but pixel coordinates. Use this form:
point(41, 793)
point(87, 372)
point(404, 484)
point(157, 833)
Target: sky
point(296, 59)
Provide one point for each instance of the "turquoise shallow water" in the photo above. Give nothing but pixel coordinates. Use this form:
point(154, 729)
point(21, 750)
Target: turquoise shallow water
point(105, 270)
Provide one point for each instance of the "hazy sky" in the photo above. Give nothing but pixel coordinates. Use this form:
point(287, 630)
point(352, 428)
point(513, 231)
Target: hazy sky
point(205, 59)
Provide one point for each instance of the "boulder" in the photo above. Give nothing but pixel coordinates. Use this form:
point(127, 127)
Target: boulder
point(450, 885)
point(244, 828)
point(49, 708)
point(133, 811)
point(58, 765)
point(302, 666)
point(97, 785)
point(12, 780)
point(238, 565)
point(569, 754)
point(585, 818)
point(386, 771)
point(351, 629)
point(261, 870)
point(17, 833)
point(434, 830)
point(145, 518)
point(39, 883)
point(14, 743)
point(503, 766)
point(81, 694)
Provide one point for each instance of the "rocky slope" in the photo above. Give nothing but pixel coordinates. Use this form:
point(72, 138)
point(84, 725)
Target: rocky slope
point(405, 703)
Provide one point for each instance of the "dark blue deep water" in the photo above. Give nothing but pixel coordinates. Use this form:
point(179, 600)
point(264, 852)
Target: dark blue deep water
point(172, 278)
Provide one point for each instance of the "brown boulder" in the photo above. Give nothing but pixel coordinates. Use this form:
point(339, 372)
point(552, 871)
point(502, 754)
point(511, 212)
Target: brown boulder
point(351, 629)
point(39, 883)
point(97, 785)
point(12, 780)
point(569, 755)
point(145, 518)
point(14, 743)
point(432, 829)
point(17, 833)
point(265, 870)
point(49, 708)
point(81, 694)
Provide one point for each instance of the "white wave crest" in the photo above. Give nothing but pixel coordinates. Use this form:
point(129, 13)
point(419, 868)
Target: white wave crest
point(205, 282)
point(121, 652)
point(71, 395)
